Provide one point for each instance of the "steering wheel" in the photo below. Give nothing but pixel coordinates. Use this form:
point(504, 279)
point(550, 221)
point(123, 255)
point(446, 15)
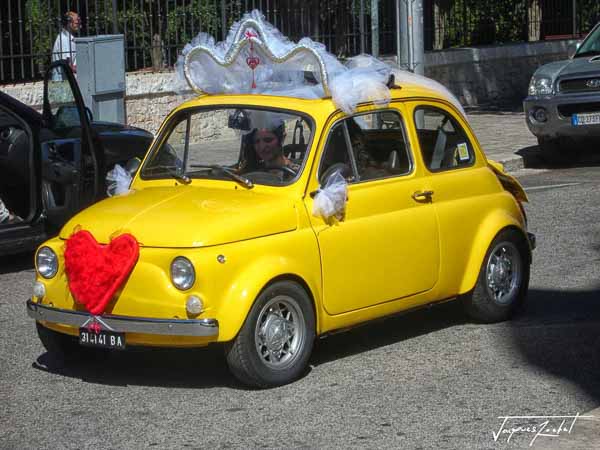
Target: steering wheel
point(287, 170)
point(261, 177)
point(267, 175)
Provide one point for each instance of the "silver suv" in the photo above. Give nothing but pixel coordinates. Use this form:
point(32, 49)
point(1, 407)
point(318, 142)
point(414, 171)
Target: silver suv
point(563, 105)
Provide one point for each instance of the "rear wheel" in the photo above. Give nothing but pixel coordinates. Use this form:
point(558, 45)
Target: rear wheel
point(503, 279)
point(276, 340)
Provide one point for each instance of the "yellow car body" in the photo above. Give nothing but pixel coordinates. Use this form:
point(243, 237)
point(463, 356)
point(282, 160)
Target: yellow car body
point(403, 241)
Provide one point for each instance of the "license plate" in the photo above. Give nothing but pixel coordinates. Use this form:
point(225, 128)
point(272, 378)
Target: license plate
point(585, 119)
point(102, 339)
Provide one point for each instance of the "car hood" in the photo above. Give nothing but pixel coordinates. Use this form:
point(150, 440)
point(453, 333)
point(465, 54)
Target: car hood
point(187, 216)
point(580, 67)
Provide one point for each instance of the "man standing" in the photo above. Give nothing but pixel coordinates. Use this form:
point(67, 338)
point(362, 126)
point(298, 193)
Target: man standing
point(64, 45)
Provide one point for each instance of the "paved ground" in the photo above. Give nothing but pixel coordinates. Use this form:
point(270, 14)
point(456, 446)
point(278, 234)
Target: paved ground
point(504, 137)
point(425, 380)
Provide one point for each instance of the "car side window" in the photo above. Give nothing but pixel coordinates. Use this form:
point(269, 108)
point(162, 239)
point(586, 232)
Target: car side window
point(366, 147)
point(336, 157)
point(444, 144)
point(378, 145)
point(63, 108)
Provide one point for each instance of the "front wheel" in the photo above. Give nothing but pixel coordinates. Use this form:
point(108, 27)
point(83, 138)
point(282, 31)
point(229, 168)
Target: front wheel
point(276, 340)
point(503, 279)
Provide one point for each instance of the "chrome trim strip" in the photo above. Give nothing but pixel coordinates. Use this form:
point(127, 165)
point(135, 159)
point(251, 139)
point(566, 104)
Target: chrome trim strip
point(123, 324)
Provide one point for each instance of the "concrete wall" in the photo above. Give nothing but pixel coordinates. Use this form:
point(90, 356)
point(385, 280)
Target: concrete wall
point(150, 97)
point(492, 76)
point(486, 76)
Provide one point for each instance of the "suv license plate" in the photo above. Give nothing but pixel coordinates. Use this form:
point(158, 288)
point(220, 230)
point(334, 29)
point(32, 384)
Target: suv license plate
point(585, 119)
point(102, 339)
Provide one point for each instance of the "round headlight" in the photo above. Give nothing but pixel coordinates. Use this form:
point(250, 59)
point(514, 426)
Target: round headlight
point(46, 262)
point(182, 273)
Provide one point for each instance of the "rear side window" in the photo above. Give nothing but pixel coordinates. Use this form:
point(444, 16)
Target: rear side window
point(367, 147)
point(444, 144)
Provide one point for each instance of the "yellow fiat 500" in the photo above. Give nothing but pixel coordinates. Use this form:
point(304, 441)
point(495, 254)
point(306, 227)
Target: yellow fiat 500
point(263, 222)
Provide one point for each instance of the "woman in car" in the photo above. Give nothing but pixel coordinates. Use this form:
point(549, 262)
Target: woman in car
point(267, 142)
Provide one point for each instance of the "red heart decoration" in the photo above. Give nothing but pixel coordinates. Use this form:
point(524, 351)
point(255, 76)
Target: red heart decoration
point(252, 62)
point(94, 271)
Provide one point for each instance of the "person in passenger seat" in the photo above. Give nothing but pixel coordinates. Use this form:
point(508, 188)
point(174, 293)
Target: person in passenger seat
point(368, 167)
point(6, 217)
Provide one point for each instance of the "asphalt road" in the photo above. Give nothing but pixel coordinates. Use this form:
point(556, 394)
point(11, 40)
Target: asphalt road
point(429, 379)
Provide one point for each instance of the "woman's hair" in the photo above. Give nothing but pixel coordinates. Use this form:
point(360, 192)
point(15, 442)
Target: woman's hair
point(269, 121)
point(278, 131)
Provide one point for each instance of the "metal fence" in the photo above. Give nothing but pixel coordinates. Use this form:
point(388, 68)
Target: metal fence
point(459, 23)
point(156, 30)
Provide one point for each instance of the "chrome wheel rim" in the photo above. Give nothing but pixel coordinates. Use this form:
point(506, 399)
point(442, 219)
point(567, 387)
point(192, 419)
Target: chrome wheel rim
point(279, 332)
point(503, 273)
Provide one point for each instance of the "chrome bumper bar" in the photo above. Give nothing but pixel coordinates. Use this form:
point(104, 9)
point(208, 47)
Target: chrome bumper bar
point(123, 324)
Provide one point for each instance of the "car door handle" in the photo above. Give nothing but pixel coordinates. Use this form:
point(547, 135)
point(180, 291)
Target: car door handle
point(422, 196)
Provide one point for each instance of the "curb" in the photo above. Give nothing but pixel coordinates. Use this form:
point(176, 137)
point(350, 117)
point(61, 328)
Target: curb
point(512, 164)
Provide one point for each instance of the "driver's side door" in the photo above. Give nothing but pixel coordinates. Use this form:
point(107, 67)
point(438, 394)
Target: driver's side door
point(70, 166)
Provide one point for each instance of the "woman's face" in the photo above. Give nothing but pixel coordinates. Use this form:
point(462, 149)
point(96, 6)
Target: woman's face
point(267, 145)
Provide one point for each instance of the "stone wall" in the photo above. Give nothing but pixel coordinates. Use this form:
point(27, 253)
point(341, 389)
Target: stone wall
point(486, 76)
point(492, 76)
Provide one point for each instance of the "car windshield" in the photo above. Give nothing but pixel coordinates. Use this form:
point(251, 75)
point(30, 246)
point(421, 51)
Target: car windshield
point(591, 46)
point(246, 145)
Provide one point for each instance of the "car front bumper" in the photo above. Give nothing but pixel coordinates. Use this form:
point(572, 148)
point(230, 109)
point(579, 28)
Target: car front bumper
point(123, 324)
point(558, 112)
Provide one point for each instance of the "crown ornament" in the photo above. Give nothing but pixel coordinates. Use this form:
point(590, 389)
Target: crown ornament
point(256, 57)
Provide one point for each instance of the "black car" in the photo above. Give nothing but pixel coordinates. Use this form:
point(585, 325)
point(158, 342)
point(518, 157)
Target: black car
point(55, 163)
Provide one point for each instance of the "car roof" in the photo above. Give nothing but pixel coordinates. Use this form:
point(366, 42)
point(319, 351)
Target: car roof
point(316, 107)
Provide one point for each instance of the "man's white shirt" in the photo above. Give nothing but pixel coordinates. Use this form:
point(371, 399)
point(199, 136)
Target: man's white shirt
point(64, 47)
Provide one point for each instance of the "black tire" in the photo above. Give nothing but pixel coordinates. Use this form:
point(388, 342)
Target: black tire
point(265, 361)
point(62, 346)
point(558, 151)
point(492, 300)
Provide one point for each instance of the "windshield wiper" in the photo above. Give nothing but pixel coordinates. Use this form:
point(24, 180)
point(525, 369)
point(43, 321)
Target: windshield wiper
point(230, 173)
point(181, 177)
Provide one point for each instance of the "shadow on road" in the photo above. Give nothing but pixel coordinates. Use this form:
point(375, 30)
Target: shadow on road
point(206, 367)
point(556, 331)
point(559, 332)
point(534, 159)
point(16, 263)
point(177, 368)
point(389, 331)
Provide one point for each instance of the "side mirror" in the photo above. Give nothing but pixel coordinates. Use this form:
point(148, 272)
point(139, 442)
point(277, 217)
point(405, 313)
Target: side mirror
point(572, 49)
point(133, 165)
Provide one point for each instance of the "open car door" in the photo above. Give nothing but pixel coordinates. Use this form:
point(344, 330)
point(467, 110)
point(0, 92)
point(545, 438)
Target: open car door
point(71, 167)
